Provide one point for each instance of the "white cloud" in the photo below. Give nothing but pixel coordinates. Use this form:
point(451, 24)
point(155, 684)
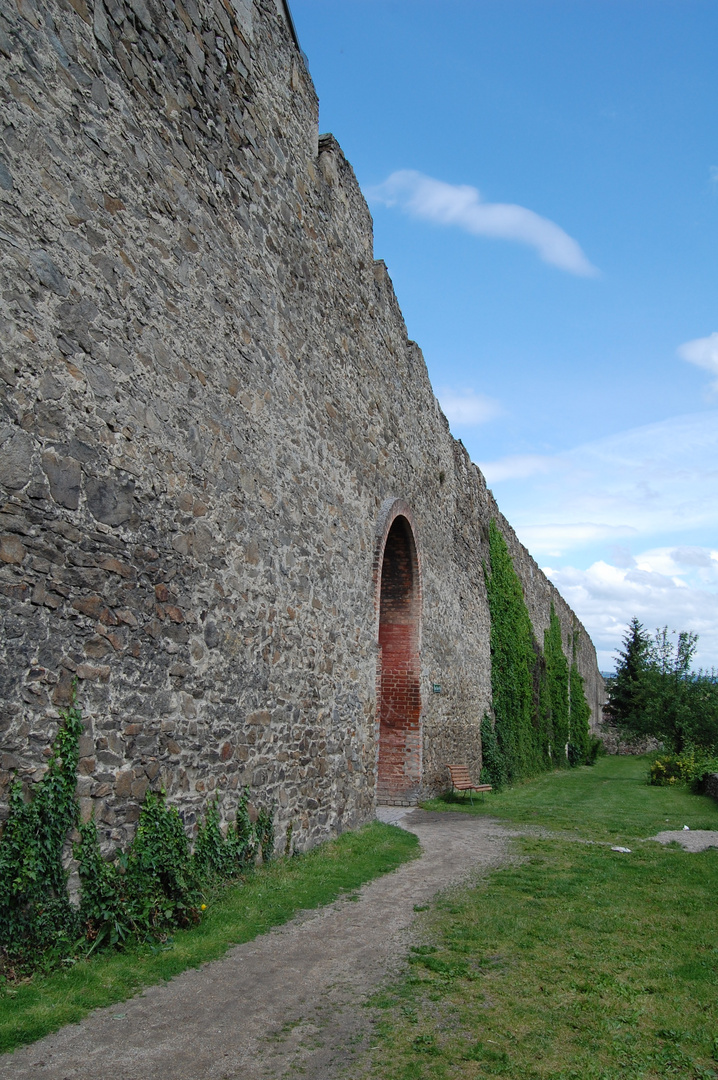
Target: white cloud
point(467, 408)
point(462, 205)
point(657, 479)
point(694, 565)
point(606, 597)
point(703, 352)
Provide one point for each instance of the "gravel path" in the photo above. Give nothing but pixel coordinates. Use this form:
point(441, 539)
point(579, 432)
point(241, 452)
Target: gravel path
point(287, 1002)
point(691, 840)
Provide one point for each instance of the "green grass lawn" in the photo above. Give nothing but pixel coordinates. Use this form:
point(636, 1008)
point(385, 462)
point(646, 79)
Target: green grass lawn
point(576, 961)
point(608, 801)
point(271, 895)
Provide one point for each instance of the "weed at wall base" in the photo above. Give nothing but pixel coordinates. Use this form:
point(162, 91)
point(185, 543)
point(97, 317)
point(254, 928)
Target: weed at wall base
point(36, 917)
point(145, 892)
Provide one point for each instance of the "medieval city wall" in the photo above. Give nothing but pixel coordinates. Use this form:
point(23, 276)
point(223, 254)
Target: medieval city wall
point(208, 401)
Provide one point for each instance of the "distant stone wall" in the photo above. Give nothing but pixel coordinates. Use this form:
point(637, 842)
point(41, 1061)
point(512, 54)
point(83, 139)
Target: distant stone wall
point(616, 743)
point(208, 395)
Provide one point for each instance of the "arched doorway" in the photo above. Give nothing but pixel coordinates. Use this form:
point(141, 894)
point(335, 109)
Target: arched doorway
point(398, 688)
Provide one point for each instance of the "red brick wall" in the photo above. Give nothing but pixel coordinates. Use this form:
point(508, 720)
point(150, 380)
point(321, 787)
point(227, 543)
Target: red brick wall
point(399, 767)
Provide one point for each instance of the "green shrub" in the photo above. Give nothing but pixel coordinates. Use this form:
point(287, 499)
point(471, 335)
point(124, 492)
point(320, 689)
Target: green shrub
point(156, 885)
point(147, 891)
point(706, 768)
point(596, 749)
point(689, 767)
point(104, 906)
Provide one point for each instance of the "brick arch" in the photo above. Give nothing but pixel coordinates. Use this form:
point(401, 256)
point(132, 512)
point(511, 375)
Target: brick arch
point(398, 604)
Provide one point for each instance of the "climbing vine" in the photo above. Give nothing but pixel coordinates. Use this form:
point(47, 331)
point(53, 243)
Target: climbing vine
point(156, 885)
point(557, 680)
point(493, 769)
point(36, 917)
point(581, 747)
point(513, 660)
point(540, 709)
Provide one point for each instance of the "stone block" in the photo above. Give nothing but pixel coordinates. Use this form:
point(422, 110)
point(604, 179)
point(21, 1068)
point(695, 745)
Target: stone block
point(123, 783)
point(261, 717)
point(63, 475)
point(110, 501)
point(16, 449)
point(139, 788)
point(93, 672)
point(48, 273)
point(12, 551)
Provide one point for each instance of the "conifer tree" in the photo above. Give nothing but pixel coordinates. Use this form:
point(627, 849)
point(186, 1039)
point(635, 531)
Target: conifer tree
point(627, 690)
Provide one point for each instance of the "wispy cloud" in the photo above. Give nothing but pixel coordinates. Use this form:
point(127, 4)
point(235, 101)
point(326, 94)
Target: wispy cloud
point(649, 481)
point(555, 538)
point(659, 590)
point(703, 352)
point(619, 495)
point(461, 205)
point(515, 467)
point(467, 408)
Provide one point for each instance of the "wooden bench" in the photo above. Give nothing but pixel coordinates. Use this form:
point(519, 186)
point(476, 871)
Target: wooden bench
point(461, 781)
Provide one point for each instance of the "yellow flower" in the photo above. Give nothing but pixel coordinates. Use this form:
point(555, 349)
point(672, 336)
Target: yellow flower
point(204, 907)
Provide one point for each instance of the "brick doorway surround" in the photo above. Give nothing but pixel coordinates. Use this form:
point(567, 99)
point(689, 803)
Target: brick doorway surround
point(398, 598)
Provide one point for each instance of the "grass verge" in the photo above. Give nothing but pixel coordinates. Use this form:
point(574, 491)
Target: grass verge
point(609, 801)
point(579, 962)
point(270, 896)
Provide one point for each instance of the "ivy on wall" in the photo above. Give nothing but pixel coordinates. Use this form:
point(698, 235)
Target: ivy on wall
point(493, 768)
point(513, 662)
point(580, 744)
point(35, 912)
point(541, 715)
point(558, 691)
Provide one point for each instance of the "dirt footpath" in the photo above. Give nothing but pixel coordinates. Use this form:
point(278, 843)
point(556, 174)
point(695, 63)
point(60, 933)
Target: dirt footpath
point(288, 1002)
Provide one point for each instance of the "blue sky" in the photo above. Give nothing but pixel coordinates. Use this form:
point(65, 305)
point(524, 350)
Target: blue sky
point(543, 176)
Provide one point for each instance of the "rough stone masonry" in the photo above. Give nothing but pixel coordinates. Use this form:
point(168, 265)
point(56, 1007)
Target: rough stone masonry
point(231, 507)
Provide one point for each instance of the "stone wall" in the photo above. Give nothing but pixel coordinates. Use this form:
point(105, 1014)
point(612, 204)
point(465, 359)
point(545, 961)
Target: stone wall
point(208, 402)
